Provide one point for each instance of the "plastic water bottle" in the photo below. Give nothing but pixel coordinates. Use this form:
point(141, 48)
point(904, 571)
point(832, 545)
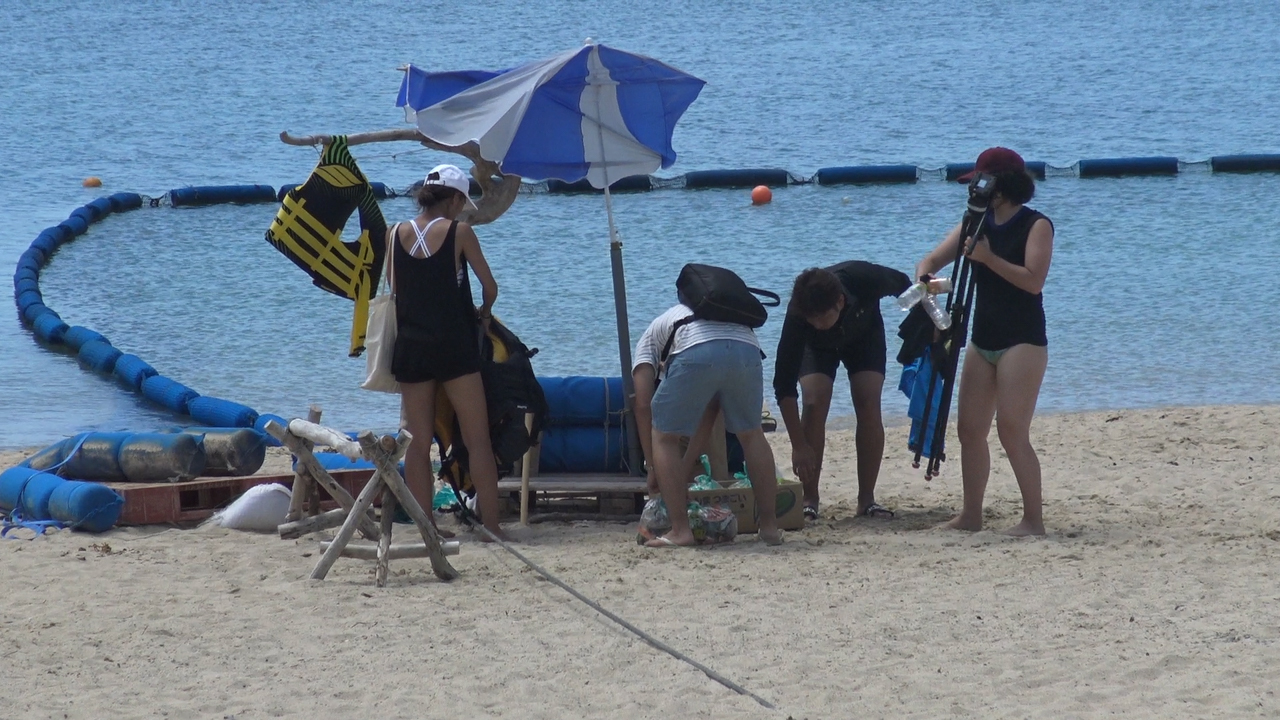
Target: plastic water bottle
point(913, 295)
point(936, 312)
point(939, 286)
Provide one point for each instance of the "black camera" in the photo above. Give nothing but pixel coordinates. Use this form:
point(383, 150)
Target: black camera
point(980, 189)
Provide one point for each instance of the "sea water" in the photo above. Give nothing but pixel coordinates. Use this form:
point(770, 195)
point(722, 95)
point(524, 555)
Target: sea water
point(1160, 293)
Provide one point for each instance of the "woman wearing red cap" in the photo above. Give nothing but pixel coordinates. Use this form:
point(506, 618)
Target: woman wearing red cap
point(1006, 358)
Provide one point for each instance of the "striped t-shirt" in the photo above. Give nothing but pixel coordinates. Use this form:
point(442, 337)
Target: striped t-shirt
point(654, 339)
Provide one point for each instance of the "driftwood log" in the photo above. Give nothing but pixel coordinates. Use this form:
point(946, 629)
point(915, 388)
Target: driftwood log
point(302, 483)
point(406, 551)
point(307, 461)
point(499, 189)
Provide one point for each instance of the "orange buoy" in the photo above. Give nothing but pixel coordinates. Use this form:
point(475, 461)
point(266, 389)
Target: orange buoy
point(761, 195)
point(92, 182)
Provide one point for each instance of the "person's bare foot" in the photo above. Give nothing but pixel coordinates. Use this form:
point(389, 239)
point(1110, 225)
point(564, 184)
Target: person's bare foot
point(960, 522)
point(770, 538)
point(673, 540)
point(1026, 529)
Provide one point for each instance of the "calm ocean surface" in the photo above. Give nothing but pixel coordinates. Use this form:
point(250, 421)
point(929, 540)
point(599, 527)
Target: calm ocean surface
point(1163, 290)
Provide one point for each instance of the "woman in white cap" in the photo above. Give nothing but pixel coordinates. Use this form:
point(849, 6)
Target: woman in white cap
point(1007, 356)
point(437, 335)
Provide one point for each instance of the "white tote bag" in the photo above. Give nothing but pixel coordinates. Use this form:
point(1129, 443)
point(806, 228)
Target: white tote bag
point(380, 339)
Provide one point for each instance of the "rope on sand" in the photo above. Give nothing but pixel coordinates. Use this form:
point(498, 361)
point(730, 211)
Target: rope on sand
point(656, 643)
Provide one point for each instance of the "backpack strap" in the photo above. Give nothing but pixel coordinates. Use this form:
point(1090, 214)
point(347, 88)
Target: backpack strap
point(666, 349)
point(767, 295)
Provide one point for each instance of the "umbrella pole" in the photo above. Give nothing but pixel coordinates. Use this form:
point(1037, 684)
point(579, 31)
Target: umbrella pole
point(634, 458)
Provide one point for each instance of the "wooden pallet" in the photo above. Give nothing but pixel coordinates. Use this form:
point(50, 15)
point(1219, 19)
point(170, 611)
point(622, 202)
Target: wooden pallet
point(195, 500)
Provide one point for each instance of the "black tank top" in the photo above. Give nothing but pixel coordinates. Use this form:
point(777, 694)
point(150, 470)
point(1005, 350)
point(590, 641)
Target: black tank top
point(1005, 315)
point(433, 298)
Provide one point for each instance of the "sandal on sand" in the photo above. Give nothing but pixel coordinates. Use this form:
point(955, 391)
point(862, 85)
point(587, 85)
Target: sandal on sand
point(877, 510)
point(810, 512)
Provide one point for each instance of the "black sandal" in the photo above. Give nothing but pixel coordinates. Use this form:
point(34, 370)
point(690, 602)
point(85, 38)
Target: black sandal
point(810, 512)
point(877, 510)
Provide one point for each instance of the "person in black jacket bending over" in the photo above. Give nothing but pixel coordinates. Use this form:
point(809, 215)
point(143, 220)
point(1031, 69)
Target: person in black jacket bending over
point(834, 317)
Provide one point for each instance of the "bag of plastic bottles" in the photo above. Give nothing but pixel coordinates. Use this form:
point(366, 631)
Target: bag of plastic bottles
point(709, 523)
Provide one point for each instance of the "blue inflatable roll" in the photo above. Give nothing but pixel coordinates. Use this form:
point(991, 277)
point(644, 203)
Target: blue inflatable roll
point(581, 449)
point(28, 297)
point(101, 207)
point(35, 312)
point(25, 284)
point(219, 413)
point(749, 177)
point(132, 370)
point(1122, 167)
point(635, 183)
point(59, 233)
point(12, 483)
point(36, 494)
point(76, 224)
point(864, 174)
point(76, 336)
point(1245, 163)
point(219, 194)
point(586, 401)
point(261, 426)
point(380, 190)
point(86, 213)
point(125, 201)
point(49, 327)
point(25, 273)
point(338, 461)
point(85, 505)
point(33, 258)
point(168, 393)
point(46, 243)
point(99, 355)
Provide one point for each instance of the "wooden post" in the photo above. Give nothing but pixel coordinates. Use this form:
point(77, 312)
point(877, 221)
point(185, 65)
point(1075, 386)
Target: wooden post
point(384, 542)
point(308, 462)
point(362, 505)
point(302, 484)
point(323, 521)
point(526, 467)
point(361, 551)
point(390, 474)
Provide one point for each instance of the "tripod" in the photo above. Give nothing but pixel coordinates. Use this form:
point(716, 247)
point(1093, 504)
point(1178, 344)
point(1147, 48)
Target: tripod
point(960, 306)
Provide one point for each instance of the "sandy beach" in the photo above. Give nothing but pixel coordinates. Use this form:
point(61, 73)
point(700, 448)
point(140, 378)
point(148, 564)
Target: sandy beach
point(1154, 595)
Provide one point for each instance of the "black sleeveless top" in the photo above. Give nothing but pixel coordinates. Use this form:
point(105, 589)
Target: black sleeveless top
point(1005, 315)
point(433, 299)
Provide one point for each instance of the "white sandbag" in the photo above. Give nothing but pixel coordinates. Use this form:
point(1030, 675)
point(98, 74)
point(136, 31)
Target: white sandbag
point(261, 508)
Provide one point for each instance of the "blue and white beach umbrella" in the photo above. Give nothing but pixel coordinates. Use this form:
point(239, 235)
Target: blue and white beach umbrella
point(594, 112)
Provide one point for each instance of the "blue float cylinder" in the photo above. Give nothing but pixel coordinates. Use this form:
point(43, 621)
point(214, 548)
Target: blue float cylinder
point(380, 190)
point(32, 258)
point(168, 393)
point(261, 426)
point(86, 213)
point(59, 233)
point(85, 505)
point(125, 201)
point(35, 311)
point(581, 449)
point(48, 327)
point(25, 284)
point(101, 207)
point(749, 177)
point(219, 194)
point(1245, 163)
point(76, 224)
point(219, 413)
point(865, 174)
point(634, 183)
point(46, 243)
point(35, 496)
point(12, 483)
point(77, 336)
point(1035, 168)
point(26, 298)
point(99, 355)
point(25, 273)
point(132, 370)
point(1122, 167)
point(585, 401)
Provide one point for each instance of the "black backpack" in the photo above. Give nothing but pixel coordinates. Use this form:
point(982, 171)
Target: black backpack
point(714, 293)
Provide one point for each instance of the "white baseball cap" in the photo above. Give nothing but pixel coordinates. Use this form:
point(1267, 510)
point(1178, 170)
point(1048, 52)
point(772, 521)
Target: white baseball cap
point(451, 176)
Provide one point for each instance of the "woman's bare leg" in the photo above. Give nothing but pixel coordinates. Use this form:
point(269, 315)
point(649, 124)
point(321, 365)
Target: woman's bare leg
point(1018, 378)
point(418, 408)
point(466, 394)
point(866, 387)
point(815, 393)
point(977, 406)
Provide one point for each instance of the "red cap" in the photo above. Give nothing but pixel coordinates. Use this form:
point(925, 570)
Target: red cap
point(995, 160)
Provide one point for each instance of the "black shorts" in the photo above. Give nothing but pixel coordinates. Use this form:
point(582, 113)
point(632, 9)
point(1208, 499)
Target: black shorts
point(419, 359)
point(865, 354)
